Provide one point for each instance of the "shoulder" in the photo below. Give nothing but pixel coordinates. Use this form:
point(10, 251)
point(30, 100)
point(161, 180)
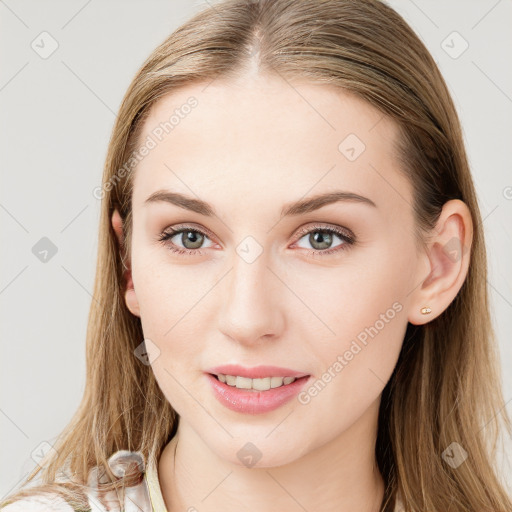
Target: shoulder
point(39, 503)
point(121, 463)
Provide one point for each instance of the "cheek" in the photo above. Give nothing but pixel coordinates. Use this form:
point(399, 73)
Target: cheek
point(169, 298)
point(343, 300)
point(165, 293)
point(169, 308)
point(365, 310)
point(164, 286)
point(354, 366)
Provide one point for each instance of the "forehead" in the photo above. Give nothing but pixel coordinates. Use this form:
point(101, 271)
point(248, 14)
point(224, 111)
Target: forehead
point(269, 135)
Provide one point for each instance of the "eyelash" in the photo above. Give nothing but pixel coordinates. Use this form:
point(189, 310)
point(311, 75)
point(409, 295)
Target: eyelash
point(347, 237)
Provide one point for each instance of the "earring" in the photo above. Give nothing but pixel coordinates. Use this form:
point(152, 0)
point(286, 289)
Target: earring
point(426, 310)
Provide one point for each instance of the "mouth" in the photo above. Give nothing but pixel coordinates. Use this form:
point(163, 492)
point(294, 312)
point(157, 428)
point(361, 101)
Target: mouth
point(255, 372)
point(261, 384)
point(255, 395)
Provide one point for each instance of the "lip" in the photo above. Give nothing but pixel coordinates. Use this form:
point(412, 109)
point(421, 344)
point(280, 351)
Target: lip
point(256, 372)
point(249, 401)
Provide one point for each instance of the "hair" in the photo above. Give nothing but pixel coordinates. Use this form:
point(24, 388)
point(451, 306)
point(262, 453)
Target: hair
point(446, 386)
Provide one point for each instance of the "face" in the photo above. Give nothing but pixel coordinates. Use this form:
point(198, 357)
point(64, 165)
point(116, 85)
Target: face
point(322, 291)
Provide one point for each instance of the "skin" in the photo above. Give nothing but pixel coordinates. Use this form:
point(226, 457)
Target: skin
point(250, 147)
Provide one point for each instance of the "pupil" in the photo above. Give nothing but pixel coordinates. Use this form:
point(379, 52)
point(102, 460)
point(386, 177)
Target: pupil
point(192, 237)
point(324, 240)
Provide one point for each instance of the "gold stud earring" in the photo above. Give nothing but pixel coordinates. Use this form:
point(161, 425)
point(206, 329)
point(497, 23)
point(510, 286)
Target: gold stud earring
point(426, 310)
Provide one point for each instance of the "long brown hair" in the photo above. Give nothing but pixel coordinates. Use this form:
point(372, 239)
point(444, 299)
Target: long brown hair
point(446, 386)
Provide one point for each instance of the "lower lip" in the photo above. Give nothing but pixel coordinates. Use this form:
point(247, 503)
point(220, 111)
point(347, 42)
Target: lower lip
point(250, 401)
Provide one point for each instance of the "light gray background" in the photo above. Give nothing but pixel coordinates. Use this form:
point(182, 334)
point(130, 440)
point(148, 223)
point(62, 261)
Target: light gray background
point(57, 116)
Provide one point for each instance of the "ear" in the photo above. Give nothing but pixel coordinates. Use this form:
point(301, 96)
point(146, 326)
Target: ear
point(446, 262)
point(129, 295)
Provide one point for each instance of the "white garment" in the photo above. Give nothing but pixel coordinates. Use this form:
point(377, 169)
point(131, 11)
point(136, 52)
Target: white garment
point(144, 497)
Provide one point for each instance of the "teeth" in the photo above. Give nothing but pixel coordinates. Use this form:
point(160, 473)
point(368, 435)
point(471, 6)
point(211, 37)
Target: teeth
point(257, 384)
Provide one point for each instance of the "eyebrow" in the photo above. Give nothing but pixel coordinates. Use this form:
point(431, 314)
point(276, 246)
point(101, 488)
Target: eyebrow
point(299, 207)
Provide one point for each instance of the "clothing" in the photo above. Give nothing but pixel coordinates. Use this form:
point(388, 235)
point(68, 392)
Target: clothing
point(144, 497)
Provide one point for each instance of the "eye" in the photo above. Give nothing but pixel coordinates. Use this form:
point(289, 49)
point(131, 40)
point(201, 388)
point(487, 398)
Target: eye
point(191, 239)
point(321, 238)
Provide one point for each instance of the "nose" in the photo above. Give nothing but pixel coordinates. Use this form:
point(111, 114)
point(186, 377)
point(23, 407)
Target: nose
point(252, 302)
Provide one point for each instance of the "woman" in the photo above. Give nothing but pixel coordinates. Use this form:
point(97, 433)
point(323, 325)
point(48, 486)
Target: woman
point(291, 308)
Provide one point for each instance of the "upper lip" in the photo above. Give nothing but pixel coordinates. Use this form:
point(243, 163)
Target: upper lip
point(256, 372)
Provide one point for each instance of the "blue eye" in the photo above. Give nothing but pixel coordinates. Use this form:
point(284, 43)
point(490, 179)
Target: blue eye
point(321, 236)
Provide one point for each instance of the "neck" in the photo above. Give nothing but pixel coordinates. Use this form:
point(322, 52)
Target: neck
point(340, 476)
